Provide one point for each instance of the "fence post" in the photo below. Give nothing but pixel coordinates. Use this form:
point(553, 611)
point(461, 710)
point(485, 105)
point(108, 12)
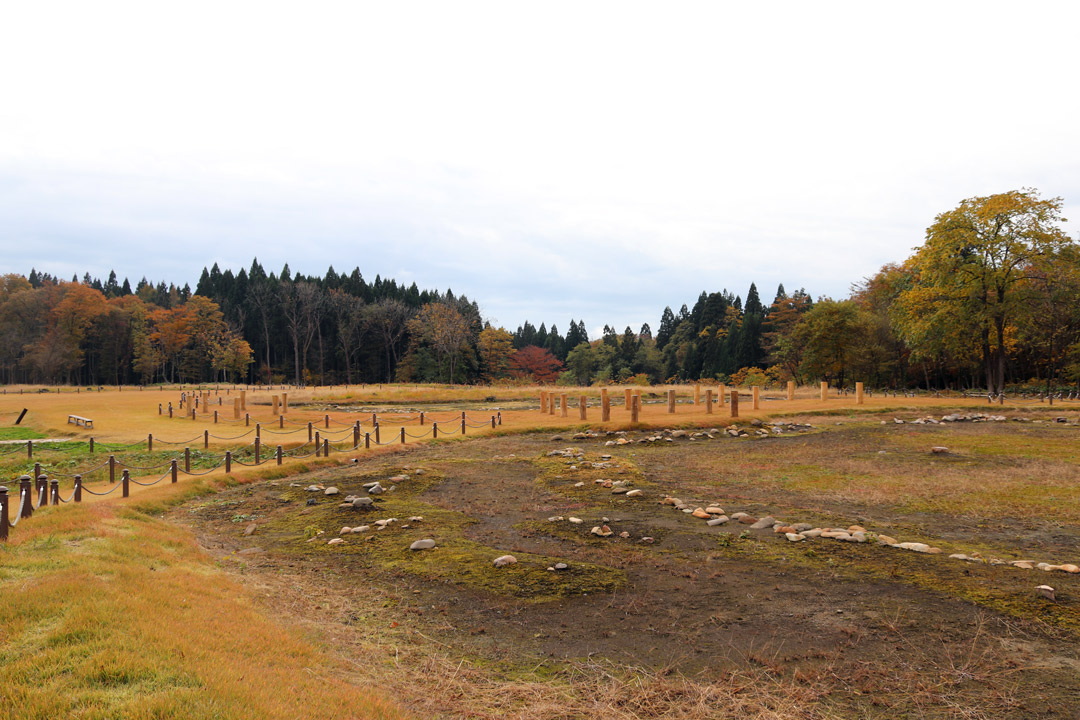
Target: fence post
point(318, 444)
point(91, 446)
point(54, 491)
point(462, 423)
point(671, 402)
point(278, 453)
point(187, 460)
point(258, 447)
point(402, 435)
point(605, 406)
point(499, 416)
point(247, 420)
point(583, 405)
point(112, 469)
point(228, 461)
point(635, 407)
point(29, 449)
point(421, 418)
point(284, 403)
point(42, 487)
point(757, 396)
point(309, 435)
point(125, 479)
point(562, 404)
point(172, 469)
point(206, 439)
point(374, 419)
point(858, 393)
point(193, 414)
point(4, 522)
point(37, 470)
point(78, 488)
point(150, 443)
point(708, 401)
point(434, 430)
point(24, 489)
point(367, 441)
point(326, 447)
point(356, 434)
point(377, 440)
point(734, 403)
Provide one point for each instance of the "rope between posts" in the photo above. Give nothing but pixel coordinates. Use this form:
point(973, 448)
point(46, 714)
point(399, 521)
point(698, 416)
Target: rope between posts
point(15, 447)
point(81, 472)
point(416, 437)
point(136, 467)
point(236, 437)
point(102, 494)
point(477, 425)
point(181, 442)
point(19, 512)
point(70, 497)
point(194, 474)
point(148, 484)
point(282, 432)
point(116, 448)
point(299, 457)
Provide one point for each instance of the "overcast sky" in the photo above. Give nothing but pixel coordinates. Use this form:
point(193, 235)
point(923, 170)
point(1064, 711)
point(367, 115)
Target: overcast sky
point(549, 160)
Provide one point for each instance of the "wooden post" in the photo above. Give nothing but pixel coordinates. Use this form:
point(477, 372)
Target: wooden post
point(318, 442)
point(150, 443)
point(112, 469)
point(91, 446)
point(29, 449)
point(697, 394)
point(628, 393)
point(583, 405)
point(228, 461)
point(562, 404)
point(402, 434)
point(4, 522)
point(215, 415)
point(858, 393)
point(462, 423)
point(277, 453)
point(671, 402)
point(243, 400)
point(790, 389)
point(551, 403)
point(187, 460)
point(492, 422)
point(258, 448)
point(367, 441)
point(284, 403)
point(356, 434)
point(543, 401)
point(374, 419)
point(247, 420)
point(206, 439)
point(193, 414)
point(757, 396)
point(172, 469)
point(281, 422)
point(824, 391)
point(78, 488)
point(605, 406)
point(309, 435)
point(275, 405)
point(635, 407)
point(377, 440)
point(326, 447)
point(326, 422)
point(734, 403)
point(54, 491)
point(125, 479)
point(708, 401)
point(421, 418)
point(722, 395)
point(25, 489)
point(236, 409)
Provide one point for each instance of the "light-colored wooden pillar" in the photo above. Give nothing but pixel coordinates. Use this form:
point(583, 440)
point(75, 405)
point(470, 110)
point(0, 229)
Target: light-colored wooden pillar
point(551, 403)
point(824, 391)
point(757, 396)
point(723, 394)
point(635, 408)
point(562, 404)
point(605, 406)
point(790, 389)
point(858, 393)
point(274, 405)
point(671, 401)
point(734, 403)
point(629, 394)
point(697, 394)
point(236, 408)
point(543, 401)
point(284, 403)
point(243, 400)
point(583, 405)
point(708, 401)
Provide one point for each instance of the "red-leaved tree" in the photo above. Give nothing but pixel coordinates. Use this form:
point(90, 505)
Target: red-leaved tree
point(535, 362)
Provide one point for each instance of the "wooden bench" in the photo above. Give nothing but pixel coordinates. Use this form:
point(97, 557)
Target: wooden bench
point(80, 421)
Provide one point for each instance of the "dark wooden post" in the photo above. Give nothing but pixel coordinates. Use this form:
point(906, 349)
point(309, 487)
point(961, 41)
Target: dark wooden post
point(91, 446)
point(377, 440)
point(326, 419)
point(193, 413)
point(172, 469)
point(215, 415)
point(150, 443)
point(326, 447)
point(37, 470)
point(708, 401)
point(635, 407)
point(281, 422)
point(278, 453)
point(421, 418)
point(605, 406)
point(318, 444)
point(492, 422)
point(247, 420)
point(228, 461)
point(206, 439)
point(26, 490)
point(402, 435)
point(112, 469)
point(125, 479)
point(78, 488)
point(4, 522)
point(374, 419)
point(356, 434)
point(462, 423)
point(54, 491)
point(258, 447)
point(310, 437)
point(434, 430)
point(499, 416)
point(367, 441)
point(42, 487)
point(187, 460)
point(29, 449)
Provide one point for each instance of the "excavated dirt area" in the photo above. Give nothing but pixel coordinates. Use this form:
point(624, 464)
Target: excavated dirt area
point(863, 630)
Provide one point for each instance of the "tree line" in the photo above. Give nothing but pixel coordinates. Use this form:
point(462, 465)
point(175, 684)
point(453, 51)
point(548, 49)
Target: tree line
point(989, 300)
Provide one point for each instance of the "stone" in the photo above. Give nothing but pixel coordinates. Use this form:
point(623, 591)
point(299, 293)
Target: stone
point(633, 493)
point(679, 433)
point(555, 518)
point(766, 522)
point(856, 528)
point(1046, 591)
point(835, 534)
point(331, 491)
point(602, 531)
point(714, 510)
point(311, 501)
point(250, 529)
point(1023, 564)
point(624, 534)
point(939, 450)
point(717, 521)
point(1069, 568)
point(313, 488)
point(738, 515)
point(886, 540)
point(560, 566)
point(647, 540)
point(800, 527)
point(336, 541)
point(914, 546)
point(364, 502)
point(345, 531)
point(504, 560)
point(668, 500)
point(425, 544)
point(794, 537)
point(858, 537)
point(811, 533)
point(416, 518)
point(575, 520)
point(398, 478)
point(376, 489)
point(361, 528)
point(699, 513)
point(748, 519)
point(619, 491)
point(783, 529)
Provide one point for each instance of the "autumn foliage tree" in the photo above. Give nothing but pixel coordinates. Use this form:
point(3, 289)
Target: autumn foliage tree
point(535, 363)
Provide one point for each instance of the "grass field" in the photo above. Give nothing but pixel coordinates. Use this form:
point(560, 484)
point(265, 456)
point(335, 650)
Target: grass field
point(159, 605)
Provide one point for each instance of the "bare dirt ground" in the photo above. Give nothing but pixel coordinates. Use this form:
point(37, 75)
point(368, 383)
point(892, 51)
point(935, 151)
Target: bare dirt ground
point(703, 621)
